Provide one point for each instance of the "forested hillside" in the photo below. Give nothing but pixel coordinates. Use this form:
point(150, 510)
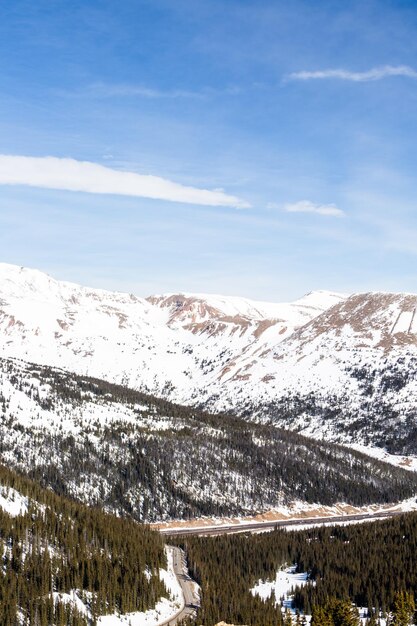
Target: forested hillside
point(383, 417)
point(65, 563)
point(367, 564)
point(126, 451)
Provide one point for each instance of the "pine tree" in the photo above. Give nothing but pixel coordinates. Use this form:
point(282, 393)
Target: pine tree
point(344, 614)
point(403, 609)
point(321, 617)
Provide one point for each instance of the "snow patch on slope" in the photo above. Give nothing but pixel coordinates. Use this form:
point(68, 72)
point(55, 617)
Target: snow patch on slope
point(164, 610)
point(12, 502)
point(407, 462)
point(285, 581)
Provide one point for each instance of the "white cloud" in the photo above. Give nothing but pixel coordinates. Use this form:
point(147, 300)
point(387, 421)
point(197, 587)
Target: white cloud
point(103, 90)
point(305, 206)
point(121, 90)
point(376, 73)
point(72, 175)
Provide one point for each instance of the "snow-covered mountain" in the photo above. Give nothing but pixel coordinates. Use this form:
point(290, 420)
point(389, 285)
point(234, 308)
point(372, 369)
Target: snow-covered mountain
point(174, 346)
point(351, 371)
point(208, 313)
point(328, 365)
point(111, 446)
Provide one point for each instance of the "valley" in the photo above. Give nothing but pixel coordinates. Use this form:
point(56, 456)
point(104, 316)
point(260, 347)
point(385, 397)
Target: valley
point(212, 419)
point(153, 460)
point(208, 313)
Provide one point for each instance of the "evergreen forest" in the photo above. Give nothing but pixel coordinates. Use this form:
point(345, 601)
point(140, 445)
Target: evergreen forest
point(59, 546)
point(370, 565)
point(110, 446)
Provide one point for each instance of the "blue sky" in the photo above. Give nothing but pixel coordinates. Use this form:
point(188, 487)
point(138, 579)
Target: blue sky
point(281, 137)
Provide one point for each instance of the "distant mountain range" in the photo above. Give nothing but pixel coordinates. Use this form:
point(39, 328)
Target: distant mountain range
point(332, 366)
point(189, 348)
point(180, 405)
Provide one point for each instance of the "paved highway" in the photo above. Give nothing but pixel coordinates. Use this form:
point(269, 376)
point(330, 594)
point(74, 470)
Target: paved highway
point(255, 526)
point(191, 600)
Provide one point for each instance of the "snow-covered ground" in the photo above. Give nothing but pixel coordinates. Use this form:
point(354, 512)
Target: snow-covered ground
point(164, 610)
point(325, 354)
point(363, 614)
point(399, 460)
point(74, 599)
point(346, 523)
point(280, 588)
point(12, 502)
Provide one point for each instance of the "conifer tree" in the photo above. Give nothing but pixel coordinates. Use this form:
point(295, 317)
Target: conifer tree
point(403, 609)
point(321, 617)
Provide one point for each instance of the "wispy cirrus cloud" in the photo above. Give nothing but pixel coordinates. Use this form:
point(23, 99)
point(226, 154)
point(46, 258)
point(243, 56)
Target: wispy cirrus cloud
point(126, 90)
point(71, 175)
point(306, 206)
point(104, 90)
point(376, 73)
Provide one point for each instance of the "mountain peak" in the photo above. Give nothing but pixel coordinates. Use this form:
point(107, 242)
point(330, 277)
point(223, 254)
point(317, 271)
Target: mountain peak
point(224, 353)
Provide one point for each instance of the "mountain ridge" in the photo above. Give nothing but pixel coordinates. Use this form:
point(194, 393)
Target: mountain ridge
point(343, 368)
point(55, 323)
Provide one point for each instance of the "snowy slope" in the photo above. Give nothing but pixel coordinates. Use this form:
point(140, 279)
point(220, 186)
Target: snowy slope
point(172, 346)
point(12, 502)
point(115, 447)
point(328, 365)
point(88, 331)
point(45, 532)
point(186, 309)
point(349, 375)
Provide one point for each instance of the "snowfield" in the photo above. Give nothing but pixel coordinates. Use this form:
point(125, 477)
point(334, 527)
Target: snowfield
point(185, 347)
point(331, 366)
point(280, 588)
point(12, 502)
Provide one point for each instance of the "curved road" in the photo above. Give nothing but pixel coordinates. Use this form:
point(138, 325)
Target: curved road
point(191, 600)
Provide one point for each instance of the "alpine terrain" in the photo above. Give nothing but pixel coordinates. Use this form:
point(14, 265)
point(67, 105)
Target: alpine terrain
point(88, 380)
point(335, 367)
